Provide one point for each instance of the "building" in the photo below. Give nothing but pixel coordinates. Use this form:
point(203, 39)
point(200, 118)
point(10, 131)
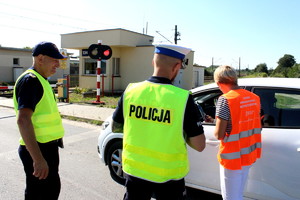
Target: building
point(14, 61)
point(131, 60)
point(198, 75)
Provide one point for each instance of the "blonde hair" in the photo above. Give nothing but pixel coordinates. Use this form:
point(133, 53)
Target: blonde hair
point(225, 74)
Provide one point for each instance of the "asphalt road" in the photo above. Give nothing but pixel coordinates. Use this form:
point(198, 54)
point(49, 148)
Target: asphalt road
point(83, 176)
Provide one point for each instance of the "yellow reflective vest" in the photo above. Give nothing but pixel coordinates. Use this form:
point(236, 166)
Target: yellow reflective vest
point(46, 119)
point(154, 148)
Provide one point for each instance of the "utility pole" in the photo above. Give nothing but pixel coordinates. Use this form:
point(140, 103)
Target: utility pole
point(239, 66)
point(177, 34)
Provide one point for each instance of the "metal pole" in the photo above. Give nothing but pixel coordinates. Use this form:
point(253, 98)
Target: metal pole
point(98, 79)
point(68, 88)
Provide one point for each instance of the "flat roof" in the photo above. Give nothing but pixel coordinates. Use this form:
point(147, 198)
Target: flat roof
point(15, 49)
point(115, 29)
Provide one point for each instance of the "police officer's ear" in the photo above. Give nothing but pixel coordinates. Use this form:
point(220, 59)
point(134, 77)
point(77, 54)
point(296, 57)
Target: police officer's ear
point(177, 66)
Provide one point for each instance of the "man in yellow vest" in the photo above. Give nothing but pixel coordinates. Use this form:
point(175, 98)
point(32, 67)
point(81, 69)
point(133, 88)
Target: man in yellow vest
point(158, 119)
point(40, 124)
point(238, 127)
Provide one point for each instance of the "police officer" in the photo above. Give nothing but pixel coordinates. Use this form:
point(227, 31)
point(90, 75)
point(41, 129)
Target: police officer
point(40, 124)
point(158, 119)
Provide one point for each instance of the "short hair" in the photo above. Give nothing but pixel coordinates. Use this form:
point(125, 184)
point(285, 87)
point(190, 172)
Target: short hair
point(225, 74)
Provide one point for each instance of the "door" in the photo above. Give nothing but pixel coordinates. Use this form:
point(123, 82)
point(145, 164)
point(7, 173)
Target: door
point(276, 175)
point(17, 72)
point(204, 166)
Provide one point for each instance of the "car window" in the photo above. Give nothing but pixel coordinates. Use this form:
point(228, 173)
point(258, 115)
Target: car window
point(280, 107)
point(208, 101)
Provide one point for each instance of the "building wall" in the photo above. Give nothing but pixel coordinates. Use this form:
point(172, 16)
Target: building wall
point(135, 51)
point(9, 71)
point(198, 76)
point(135, 66)
point(131, 69)
point(113, 37)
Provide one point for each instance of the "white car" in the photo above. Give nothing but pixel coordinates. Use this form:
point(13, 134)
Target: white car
point(276, 176)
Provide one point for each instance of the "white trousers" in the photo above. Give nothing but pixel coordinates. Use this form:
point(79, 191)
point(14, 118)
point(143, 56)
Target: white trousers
point(233, 182)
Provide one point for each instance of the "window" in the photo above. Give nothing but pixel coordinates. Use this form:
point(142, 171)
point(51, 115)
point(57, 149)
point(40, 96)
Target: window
point(90, 66)
point(207, 101)
point(116, 66)
point(280, 107)
point(16, 61)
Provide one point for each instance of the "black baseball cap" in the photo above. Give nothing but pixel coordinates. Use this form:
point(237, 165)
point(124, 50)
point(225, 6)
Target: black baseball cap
point(48, 49)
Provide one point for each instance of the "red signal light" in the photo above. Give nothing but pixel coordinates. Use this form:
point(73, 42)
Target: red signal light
point(106, 53)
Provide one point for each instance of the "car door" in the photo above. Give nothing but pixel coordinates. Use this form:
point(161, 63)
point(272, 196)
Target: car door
point(276, 175)
point(204, 167)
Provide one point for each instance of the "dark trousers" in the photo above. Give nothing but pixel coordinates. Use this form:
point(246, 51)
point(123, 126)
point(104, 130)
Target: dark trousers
point(139, 189)
point(46, 189)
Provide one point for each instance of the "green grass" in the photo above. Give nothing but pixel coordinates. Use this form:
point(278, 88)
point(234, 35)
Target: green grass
point(77, 98)
point(287, 101)
point(109, 101)
point(78, 119)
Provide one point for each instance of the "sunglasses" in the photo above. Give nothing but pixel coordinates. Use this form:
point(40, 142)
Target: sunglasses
point(184, 63)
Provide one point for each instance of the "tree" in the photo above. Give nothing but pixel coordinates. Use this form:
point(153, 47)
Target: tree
point(294, 72)
point(261, 68)
point(287, 61)
point(284, 64)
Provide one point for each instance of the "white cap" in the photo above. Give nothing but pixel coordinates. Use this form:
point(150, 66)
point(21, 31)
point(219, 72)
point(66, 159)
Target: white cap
point(172, 50)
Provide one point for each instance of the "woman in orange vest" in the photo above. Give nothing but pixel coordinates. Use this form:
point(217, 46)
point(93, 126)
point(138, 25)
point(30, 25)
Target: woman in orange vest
point(238, 128)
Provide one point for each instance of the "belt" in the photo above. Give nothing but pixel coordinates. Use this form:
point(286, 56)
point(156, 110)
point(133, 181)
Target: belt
point(58, 142)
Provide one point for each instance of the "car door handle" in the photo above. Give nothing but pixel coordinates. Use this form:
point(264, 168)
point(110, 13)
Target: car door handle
point(212, 142)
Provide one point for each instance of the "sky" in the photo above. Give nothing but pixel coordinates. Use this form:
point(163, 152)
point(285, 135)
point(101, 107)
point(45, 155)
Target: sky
point(220, 32)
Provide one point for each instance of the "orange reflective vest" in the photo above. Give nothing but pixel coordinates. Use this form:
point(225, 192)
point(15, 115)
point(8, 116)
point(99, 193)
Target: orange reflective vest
point(242, 146)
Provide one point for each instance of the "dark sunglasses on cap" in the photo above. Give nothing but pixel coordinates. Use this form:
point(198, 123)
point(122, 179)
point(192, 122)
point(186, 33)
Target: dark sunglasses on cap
point(184, 63)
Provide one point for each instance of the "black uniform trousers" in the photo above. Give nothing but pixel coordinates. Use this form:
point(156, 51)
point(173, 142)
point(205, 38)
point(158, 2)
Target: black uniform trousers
point(139, 189)
point(46, 189)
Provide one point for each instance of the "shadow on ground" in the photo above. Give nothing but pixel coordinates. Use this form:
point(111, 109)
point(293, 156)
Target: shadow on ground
point(194, 194)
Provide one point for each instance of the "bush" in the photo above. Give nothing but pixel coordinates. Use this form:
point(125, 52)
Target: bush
point(256, 75)
point(79, 90)
point(278, 75)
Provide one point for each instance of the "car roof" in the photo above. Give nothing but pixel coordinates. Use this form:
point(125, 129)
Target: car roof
point(266, 82)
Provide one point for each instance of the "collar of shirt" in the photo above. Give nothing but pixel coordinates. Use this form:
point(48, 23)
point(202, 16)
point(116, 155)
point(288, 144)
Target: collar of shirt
point(157, 79)
point(37, 72)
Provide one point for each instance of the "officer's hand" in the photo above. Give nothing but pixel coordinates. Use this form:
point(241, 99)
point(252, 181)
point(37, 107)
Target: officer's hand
point(40, 169)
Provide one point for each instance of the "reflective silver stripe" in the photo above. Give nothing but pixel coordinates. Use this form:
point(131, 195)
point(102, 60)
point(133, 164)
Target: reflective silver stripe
point(248, 105)
point(244, 151)
point(243, 134)
point(248, 101)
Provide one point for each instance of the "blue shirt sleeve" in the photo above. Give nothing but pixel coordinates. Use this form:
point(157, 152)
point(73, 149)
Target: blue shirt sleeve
point(192, 119)
point(118, 113)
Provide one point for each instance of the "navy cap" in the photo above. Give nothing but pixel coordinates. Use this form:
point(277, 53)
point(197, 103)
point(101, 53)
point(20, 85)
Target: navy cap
point(48, 49)
point(172, 50)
